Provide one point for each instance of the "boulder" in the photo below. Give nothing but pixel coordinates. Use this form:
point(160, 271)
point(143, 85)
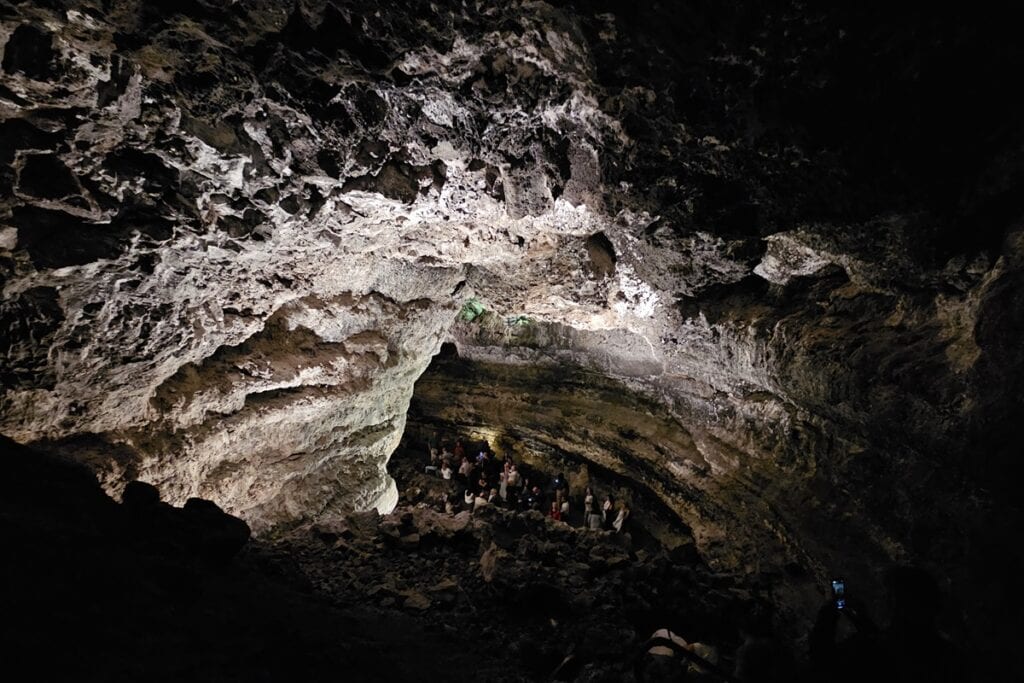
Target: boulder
point(217, 536)
point(140, 495)
point(492, 562)
point(416, 600)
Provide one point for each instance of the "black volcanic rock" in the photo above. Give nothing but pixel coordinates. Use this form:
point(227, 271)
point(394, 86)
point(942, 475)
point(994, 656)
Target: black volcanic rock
point(217, 535)
point(140, 496)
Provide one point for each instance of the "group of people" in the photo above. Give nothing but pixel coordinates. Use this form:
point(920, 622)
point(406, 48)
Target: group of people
point(483, 480)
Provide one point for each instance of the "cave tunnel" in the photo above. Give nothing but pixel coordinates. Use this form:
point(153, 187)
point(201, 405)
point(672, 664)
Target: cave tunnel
point(752, 270)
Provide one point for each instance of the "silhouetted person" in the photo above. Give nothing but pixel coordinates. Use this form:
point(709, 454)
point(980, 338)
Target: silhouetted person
point(560, 487)
point(909, 649)
point(535, 499)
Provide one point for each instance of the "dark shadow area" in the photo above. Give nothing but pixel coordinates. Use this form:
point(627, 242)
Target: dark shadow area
point(93, 590)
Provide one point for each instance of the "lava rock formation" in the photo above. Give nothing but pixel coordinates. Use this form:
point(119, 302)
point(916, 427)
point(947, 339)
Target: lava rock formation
point(765, 259)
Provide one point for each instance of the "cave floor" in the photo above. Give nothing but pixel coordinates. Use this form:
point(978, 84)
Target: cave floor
point(521, 590)
point(414, 595)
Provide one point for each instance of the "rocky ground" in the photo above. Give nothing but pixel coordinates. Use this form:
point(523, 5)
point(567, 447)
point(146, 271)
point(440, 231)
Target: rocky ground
point(527, 590)
point(94, 590)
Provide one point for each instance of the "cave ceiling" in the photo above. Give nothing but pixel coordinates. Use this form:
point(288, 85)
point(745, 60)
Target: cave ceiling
point(233, 236)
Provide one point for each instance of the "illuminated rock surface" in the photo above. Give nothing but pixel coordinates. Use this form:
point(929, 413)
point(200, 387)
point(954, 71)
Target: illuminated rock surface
point(754, 260)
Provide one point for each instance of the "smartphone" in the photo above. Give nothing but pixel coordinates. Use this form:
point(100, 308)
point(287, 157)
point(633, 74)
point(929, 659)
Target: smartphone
point(839, 593)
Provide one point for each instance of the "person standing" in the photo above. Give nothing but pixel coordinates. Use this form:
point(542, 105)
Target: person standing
point(593, 518)
point(621, 518)
point(608, 512)
point(588, 505)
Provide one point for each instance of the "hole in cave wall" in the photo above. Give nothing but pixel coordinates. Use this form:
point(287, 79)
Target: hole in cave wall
point(601, 255)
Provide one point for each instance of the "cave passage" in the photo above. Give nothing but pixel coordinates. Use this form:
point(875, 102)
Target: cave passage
point(756, 271)
point(549, 423)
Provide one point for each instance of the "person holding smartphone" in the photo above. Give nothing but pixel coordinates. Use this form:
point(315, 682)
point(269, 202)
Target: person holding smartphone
point(843, 643)
point(910, 648)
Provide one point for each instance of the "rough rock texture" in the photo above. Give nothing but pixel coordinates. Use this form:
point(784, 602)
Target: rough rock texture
point(263, 240)
point(233, 235)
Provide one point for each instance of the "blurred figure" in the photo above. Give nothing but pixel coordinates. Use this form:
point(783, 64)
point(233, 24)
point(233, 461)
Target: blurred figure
point(621, 518)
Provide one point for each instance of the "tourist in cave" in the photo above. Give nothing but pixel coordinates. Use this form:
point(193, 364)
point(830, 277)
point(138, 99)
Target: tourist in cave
point(534, 499)
point(493, 498)
point(556, 511)
point(468, 498)
point(446, 471)
point(514, 478)
point(460, 450)
point(465, 468)
point(911, 648)
point(433, 459)
point(608, 512)
point(588, 501)
point(503, 484)
point(560, 487)
point(515, 488)
point(593, 517)
point(480, 500)
point(621, 518)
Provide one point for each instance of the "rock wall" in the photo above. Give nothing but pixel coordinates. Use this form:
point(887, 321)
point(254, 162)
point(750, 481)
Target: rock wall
point(820, 456)
point(233, 236)
point(232, 239)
